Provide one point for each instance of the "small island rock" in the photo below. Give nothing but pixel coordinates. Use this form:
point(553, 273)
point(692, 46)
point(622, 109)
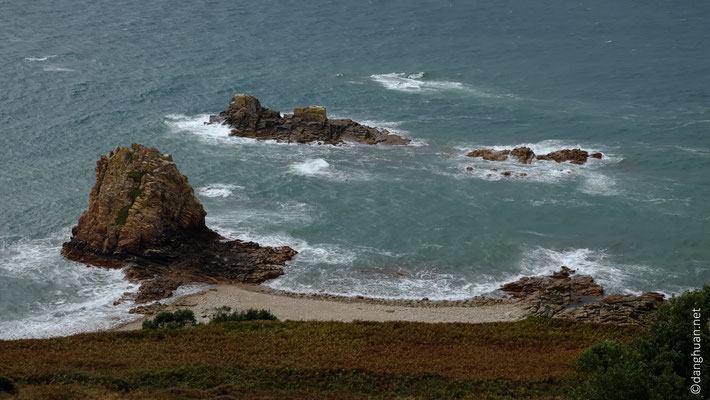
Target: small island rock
point(143, 215)
point(248, 118)
point(525, 155)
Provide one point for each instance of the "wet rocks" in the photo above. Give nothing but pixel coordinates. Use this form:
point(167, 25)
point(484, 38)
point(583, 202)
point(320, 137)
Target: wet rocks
point(567, 295)
point(143, 215)
point(490, 154)
point(575, 156)
point(248, 118)
point(525, 155)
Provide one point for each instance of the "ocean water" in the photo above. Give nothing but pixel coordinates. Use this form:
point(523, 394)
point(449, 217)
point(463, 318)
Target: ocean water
point(629, 79)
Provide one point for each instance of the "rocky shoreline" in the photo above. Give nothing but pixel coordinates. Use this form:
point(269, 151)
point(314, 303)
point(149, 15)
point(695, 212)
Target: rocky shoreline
point(143, 217)
point(561, 295)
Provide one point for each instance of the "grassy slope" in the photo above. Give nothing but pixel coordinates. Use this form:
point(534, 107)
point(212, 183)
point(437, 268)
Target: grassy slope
point(270, 359)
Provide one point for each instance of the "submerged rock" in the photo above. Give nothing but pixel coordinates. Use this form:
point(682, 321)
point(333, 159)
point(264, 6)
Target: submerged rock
point(567, 295)
point(525, 155)
point(248, 118)
point(143, 214)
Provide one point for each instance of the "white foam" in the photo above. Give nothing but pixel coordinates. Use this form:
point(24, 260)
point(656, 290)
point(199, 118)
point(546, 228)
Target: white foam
point(40, 58)
point(213, 133)
point(58, 69)
point(292, 213)
point(440, 285)
point(312, 167)
point(419, 83)
point(308, 254)
point(414, 83)
point(391, 126)
point(695, 150)
point(615, 277)
point(347, 282)
point(197, 125)
point(218, 190)
point(83, 298)
point(592, 180)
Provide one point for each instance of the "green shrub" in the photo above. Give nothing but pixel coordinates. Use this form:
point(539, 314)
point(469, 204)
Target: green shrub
point(135, 193)
point(225, 314)
point(122, 214)
point(659, 363)
point(7, 386)
point(172, 320)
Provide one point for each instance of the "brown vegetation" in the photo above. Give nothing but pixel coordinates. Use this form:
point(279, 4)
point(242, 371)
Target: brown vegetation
point(271, 359)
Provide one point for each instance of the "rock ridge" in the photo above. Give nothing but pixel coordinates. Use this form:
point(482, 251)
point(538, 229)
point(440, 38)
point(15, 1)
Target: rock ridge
point(249, 119)
point(525, 155)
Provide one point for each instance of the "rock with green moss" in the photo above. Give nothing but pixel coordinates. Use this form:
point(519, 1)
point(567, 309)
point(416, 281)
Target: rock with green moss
point(143, 213)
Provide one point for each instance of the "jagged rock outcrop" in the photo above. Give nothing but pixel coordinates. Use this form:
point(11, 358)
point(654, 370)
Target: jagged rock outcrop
point(490, 154)
point(248, 118)
point(575, 156)
point(567, 295)
point(525, 155)
point(143, 214)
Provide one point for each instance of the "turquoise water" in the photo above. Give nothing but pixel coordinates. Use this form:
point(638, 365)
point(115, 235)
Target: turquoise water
point(629, 79)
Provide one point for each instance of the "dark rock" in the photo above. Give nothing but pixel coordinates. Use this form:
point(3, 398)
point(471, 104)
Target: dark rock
point(143, 215)
point(490, 154)
point(524, 154)
point(566, 295)
point(157, 288)
point(576, 156)
point(248, 118)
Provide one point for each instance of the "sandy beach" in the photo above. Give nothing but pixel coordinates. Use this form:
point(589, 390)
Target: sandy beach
point(307, 308)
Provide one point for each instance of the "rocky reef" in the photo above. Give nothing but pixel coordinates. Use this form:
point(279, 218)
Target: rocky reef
point(248, 118)
point(143, 215)
point(525, 155)
point(567, 295)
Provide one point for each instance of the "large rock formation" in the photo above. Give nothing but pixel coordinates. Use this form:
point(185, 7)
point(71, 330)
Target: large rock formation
point(525, 155)
point(248, 118)
point(567, 295)
point(143, 214)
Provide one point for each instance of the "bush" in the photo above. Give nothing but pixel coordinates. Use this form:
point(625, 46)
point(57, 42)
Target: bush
point(659, 363)
point(166, 319)
point(122, 214)
point(7, 386)
point(225, 314)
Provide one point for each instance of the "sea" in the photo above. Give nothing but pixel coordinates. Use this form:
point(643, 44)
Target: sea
point(629, 79)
